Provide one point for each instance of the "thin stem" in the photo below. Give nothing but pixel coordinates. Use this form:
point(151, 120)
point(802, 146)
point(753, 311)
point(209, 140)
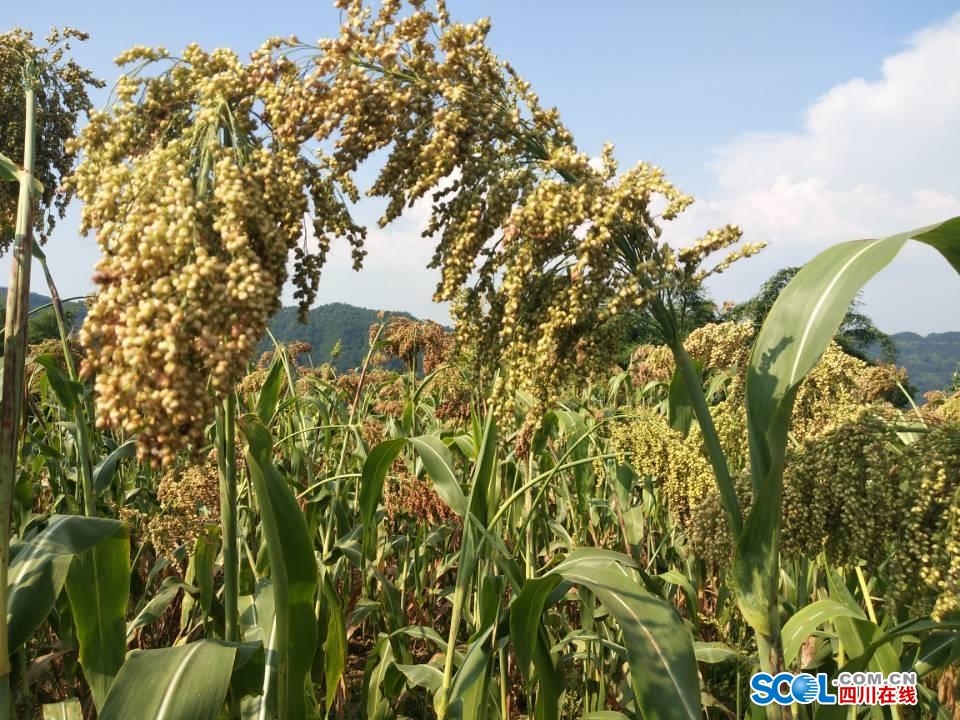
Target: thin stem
point(227, 466)
point(14, 359)
point(711, 440)
point(84, 446)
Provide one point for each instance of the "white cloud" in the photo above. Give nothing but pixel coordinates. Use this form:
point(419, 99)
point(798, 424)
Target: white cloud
point(873, 158)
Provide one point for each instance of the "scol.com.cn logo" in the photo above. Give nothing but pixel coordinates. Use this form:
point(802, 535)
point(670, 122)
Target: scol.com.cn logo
point(861, 688)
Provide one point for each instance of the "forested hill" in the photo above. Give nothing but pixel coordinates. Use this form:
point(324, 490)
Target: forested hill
point(326, 325)
point(930, 360)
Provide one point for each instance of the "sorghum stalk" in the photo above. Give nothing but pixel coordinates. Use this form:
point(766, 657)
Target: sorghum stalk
point(84, 448)
point(227, 467)
point(14, 359)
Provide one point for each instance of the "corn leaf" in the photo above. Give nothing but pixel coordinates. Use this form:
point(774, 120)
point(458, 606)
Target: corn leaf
point(104, 472)
point(797, 330)
point(663, 667)
point(269, 396)
point(293, 570)
point(8, 169)
point(374, 473)
point(39, 567)
point(66, 710)
point(438, 462)
point(153, 610)
point(98, 586)
point(188, 681)
point(802, 624)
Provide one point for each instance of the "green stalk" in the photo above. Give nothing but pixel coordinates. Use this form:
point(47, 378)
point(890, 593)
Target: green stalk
point(770, 651)
point(694, 386)
point(327, 537)
point(447, 682)
point(14, 360)
point(84, 446)
point(227, 467)
point(464, 576)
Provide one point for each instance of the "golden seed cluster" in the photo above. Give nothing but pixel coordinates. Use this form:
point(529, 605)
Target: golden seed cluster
point(549, 248)
point(925, 572)
point(190, 501)
point(654, 450)
point(413, 498)
point(407, 339)
point(196, 201)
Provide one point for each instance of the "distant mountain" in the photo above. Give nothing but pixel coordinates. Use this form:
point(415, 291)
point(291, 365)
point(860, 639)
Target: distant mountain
point(326, 324)
point(42, 323)
point(36, 300)
point(930, 360)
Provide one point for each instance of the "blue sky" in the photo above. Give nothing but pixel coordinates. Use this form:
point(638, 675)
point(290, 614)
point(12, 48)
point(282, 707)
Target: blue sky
point(805, 123)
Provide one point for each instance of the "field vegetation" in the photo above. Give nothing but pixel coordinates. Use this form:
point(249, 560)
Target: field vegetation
point(495, 521)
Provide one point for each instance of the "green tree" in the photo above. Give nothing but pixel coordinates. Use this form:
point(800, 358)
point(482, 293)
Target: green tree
point(858, 335)
point(693, 308)
point(60, 90)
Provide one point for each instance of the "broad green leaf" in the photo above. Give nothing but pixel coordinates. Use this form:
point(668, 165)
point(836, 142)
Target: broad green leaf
point(258, 622)
point(713, 652)
point(206, 548)
point(438, 461)
point(802, 624)
point(153, 610)
point(378, 666)
point(66, 710)
point(375, 469)
point(98, 586)
point(862, 640)
point(526, 615)
point(605, 715)
point(663, 667)
point(188, 681)
point(269, 395)
point(679, 406)
point(575, 432)
point(797, 330)
point(937, 650)
point(492, 588)
point(484, 490)
point(293, 570)
point(335, 642)
point(104, 472)
point(66, 390)
point(425, 676)
point(466, 693)
point(9, 170)
point(38, 569)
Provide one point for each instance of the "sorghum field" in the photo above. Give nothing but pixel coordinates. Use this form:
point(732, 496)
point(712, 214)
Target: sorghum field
point(513, 524)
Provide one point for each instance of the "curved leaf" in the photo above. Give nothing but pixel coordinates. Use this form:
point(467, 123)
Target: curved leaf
point(375, 469)
point(9, 170)
point(153, 610)
point(526, 612)
point(293, 570)
point(39, 567)
point(189, 681)
point(663, 667)
point(797, 330)
point(258, 623)
point(104, 472)
point(802, 624)
point(98, 586)
point(438, 462)
point(269, 396)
